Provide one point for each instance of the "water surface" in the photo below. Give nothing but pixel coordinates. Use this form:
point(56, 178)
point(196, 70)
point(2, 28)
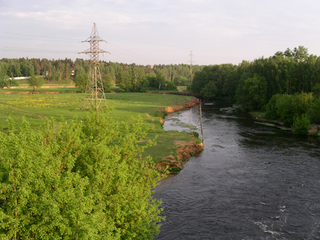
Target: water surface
point(251, 181)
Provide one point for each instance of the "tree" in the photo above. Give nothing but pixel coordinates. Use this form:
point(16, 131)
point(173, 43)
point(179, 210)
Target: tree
point(81, 78)
point(137, 77)
point(124, 81)
point(300, 53)
point(35, 82)
point(80, 181)
point(106, 81)
point(181, 81)
point(252, 94)
point(209, 91)
point(160, 79)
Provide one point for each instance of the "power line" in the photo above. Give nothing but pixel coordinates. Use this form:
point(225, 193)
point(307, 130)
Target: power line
point(65, 39)
point(16, 49)
point(42, 36)
point(33, 39)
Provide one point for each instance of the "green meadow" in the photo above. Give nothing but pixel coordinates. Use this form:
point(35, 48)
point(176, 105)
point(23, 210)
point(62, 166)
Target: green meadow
point(125, 107)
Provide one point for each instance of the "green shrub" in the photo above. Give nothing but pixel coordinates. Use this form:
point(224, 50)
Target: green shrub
point(169, 86)
point(314, 111)
point(271, 108)
point(290, 106)
point(8, 82)
point(301, 124)
point(175, 170)
point(77, 181)
point(195, 134)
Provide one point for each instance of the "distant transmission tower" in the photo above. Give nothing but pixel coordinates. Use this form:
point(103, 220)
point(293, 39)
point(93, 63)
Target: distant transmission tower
point(94, 84)
point(190, 66)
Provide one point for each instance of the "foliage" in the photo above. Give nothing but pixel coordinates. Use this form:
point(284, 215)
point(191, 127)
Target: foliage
point(301, 124)
point(316, 90)
point(160, 79)
point(195, 134)
point(252, 93)
point(106, 81)
point(123, 81)
point(135, 78)
point(314, 111)
point(81, 78)
point(209, 91)
point(143, 85)
point(77, 181)
point(271, 107)
point(288, 72)
point(11, 82)
point(169, 86)
point(7, 82)
point(181, 81)
point(35, 82)
point(291, 106)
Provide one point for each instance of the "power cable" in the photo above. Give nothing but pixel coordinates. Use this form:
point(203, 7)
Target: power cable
point(34, 35)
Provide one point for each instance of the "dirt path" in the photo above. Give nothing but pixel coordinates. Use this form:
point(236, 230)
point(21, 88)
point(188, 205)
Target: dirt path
point(43, 117)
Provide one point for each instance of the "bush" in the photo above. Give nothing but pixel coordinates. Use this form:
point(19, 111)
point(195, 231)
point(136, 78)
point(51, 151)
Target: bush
point(314, 111)
point(8, 82)
point(195, 134)
point(77, 181)
point(291, 106)
point(170, 86)
point(301, 124)
point(271, 108)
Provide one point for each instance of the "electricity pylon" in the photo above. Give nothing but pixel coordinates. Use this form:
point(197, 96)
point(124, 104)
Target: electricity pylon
point(94, 84)
point(190, 66)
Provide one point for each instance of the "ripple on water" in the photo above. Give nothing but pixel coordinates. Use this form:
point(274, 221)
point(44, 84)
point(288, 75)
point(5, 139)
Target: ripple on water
point(251, 182)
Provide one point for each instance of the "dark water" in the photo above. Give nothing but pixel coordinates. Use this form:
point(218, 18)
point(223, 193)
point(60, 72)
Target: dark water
point(251, 182)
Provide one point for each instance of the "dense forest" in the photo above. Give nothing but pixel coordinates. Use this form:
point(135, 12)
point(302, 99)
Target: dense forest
point(254, 83)
point(286, 86)
point(128, 77)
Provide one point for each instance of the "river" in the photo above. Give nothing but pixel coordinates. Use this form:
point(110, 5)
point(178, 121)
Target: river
point(251, 181)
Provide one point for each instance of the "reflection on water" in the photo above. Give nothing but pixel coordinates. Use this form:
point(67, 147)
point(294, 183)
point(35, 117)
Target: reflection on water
point(251, 182)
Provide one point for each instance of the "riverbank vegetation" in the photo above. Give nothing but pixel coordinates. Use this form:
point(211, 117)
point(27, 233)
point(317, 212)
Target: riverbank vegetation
point(286, 85)
point(77, 180)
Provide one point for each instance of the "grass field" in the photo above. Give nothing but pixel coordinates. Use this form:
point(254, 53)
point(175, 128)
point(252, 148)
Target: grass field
point(126, 107)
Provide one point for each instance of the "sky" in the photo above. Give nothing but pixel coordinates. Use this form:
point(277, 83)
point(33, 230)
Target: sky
point(159, 31)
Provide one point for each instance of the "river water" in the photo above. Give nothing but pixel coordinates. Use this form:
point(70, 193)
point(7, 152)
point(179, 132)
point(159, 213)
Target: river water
point(251, 181)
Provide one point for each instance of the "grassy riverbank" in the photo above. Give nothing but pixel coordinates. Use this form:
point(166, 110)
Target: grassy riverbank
point(126, 107)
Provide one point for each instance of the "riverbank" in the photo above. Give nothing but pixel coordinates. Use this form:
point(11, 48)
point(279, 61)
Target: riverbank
point(185, 149)
point(124, 107)
point(259, 118)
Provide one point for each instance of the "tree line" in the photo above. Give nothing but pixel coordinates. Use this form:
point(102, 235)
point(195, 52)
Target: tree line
point(283, 78)
point(254, 83)
point(128, 77)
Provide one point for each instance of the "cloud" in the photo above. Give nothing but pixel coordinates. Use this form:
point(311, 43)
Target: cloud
point(67, 19)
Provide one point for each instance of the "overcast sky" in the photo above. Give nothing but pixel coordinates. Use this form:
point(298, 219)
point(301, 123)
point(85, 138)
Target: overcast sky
point(159, 31)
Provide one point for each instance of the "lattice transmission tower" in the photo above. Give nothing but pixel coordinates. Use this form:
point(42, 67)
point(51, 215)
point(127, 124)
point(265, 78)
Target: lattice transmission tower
point(94, 93)
point(191, 55)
